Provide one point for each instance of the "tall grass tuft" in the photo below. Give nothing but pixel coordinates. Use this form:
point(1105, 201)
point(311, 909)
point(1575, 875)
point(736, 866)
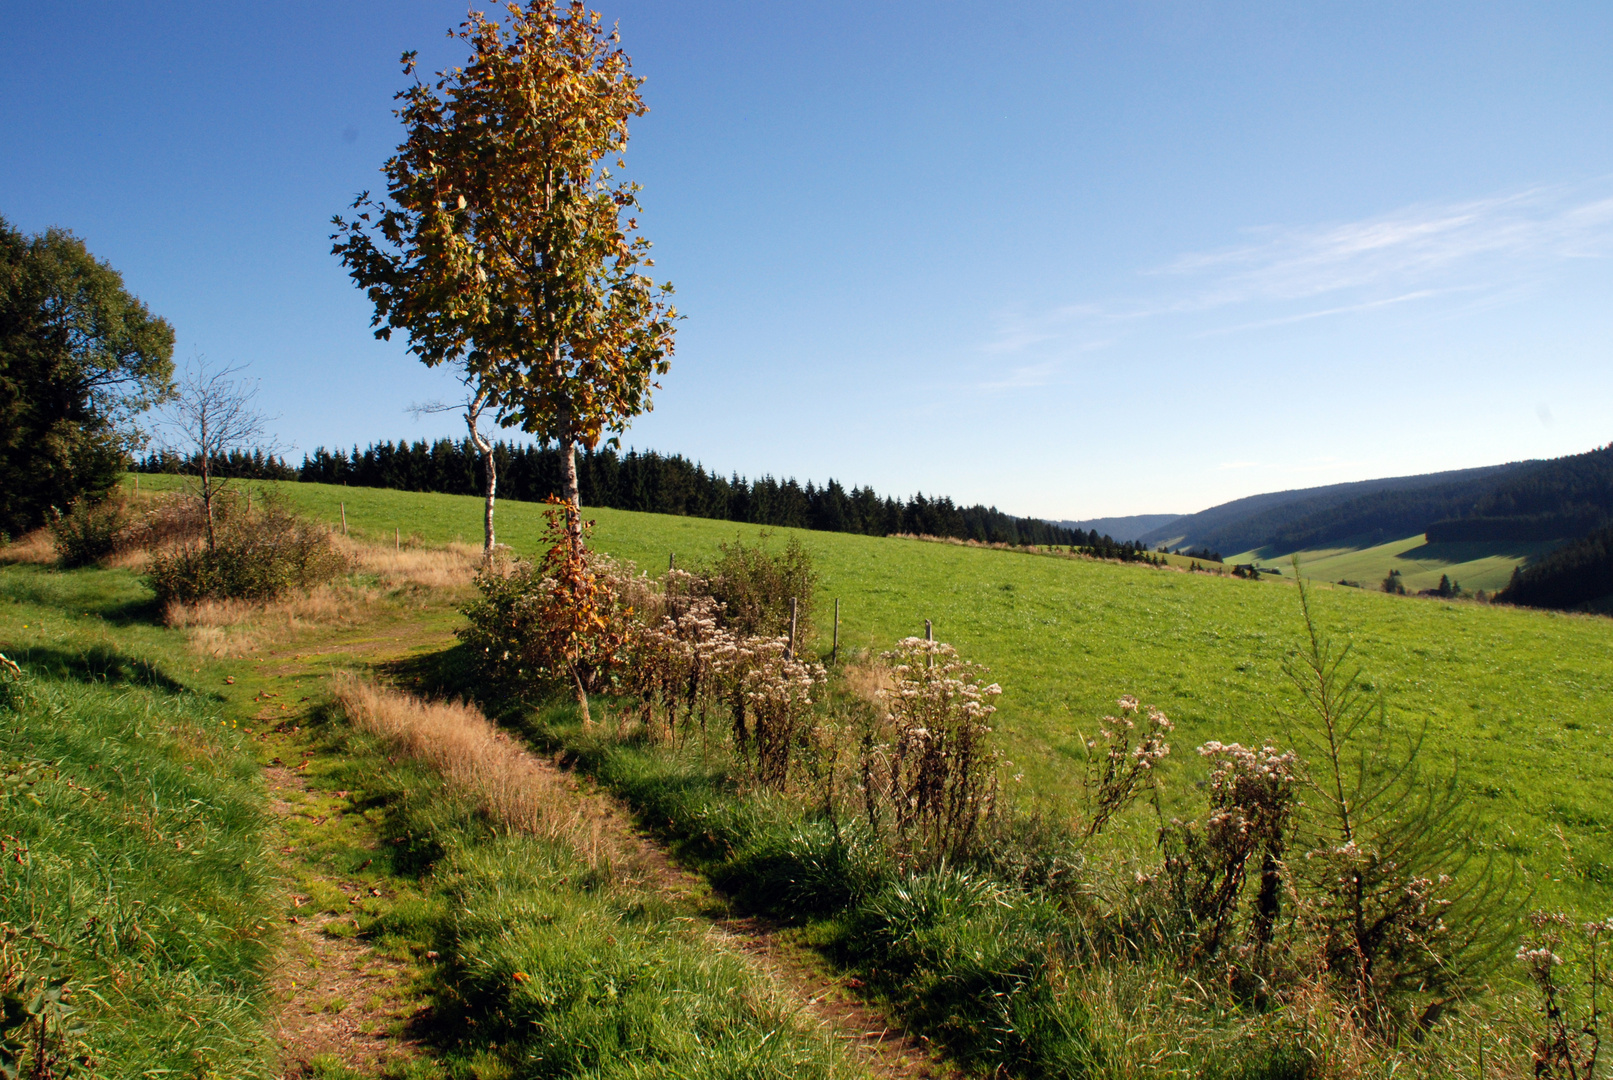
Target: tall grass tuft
point(456, 740)
point(133, 858)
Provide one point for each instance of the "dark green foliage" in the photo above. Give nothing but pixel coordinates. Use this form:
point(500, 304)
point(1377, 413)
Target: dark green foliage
point(1524, 501)
point(232, 465)
point(755, 585)
point(79, 358)
point(90, 531)
point(670, 484)
point(259, 555)
point(1578, 576)
point(1102, 547)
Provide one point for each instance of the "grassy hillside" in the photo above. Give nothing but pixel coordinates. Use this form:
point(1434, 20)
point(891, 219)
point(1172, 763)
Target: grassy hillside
point(1476, 565)
point(1520, 700)
point(132, 818)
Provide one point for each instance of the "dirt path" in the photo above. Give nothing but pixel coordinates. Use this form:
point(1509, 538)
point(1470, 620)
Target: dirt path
point(822, 999)
point(339, 1000)
point(335, 998)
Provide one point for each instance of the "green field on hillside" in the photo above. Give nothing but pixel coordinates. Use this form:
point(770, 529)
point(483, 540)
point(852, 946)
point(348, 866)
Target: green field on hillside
point(1475, 566)
point(1518, 700)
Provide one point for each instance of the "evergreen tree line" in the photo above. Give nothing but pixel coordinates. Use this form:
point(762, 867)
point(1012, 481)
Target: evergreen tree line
point(1574, 577)
point(651, 482)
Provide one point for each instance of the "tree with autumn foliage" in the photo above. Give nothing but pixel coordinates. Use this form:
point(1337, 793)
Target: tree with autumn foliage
point(507, 247)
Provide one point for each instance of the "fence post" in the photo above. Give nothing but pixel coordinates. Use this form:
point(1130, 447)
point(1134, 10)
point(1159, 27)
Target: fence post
point(791, 654)
point(834, 653)
point(344, 519)
point(397, 538)
point(929, 631)
point(671, 560)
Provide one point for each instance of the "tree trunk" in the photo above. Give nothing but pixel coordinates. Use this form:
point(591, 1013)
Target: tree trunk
point(491, 471)
point(568, 479)
point(473, 413)
point(207, 497)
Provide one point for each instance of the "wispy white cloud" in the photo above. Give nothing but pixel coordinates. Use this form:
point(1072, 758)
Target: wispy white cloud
point(1025, 376)
point(1415, 244)
point(1492, 248)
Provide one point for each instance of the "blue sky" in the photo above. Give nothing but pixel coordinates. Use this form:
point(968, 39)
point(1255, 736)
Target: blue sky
point(1070, 259)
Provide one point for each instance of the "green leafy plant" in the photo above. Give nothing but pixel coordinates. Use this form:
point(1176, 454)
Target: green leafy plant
point(90, 531)
point(755, 585)
point(39, 1037)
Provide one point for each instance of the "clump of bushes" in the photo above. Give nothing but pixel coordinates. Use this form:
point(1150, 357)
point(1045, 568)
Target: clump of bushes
point(258, 554)
point(90, 531)
point(686, 647)
point(568, 619)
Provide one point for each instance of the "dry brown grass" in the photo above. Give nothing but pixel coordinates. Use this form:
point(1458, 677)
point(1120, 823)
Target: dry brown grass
point(508, 782)
point(237, 628)
point(431, 568)
point(37, 547)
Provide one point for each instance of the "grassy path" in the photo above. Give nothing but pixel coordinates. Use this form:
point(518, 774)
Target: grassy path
point(351, 990)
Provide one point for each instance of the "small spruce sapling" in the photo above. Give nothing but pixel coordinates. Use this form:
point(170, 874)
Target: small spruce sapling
point(1408, 920)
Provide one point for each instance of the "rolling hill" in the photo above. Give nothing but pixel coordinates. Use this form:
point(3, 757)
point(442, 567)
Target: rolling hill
point(1476, 525)
point(1133, 527)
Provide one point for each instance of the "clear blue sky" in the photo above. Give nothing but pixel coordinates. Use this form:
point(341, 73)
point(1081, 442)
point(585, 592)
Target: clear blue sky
point(1070, 259)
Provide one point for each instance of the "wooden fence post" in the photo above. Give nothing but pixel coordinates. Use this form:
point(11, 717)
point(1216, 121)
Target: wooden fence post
point(791, 653)
point(834, 653)
point(397, 538)
point(344, 519)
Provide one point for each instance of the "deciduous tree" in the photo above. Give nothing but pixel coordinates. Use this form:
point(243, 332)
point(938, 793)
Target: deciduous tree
point(80, 358)
point(505, 244)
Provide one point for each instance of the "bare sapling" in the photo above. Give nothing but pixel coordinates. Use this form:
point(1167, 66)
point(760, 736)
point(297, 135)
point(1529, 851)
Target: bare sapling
point(474, 405)
point(213, 413)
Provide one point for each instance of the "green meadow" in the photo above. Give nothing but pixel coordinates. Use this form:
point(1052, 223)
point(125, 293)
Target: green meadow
point(1517, 701)
point(1474, 566)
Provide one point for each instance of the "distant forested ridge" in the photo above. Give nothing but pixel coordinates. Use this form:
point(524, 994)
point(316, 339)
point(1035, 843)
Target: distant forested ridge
point(647, 481)
point(1562, 498)
point(1558, 499)
point(1578, 576)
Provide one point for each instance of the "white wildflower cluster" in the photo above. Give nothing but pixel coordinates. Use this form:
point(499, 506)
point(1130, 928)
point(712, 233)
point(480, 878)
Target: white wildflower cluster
point(1122, 759)
point(938, 774)
point(1251, 791)
point(778, 693)
point(688, 662)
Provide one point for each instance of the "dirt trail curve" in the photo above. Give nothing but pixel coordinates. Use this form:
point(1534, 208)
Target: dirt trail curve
point(338, 998)
point(822, 999)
